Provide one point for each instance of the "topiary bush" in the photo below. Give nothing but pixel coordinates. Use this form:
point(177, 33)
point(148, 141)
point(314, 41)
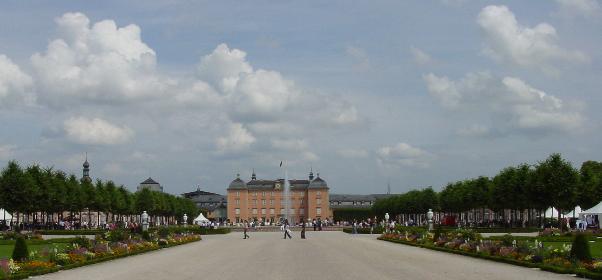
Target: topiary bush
point(146, 235)
point(163, 232)
point(580, 249)
point(437, 234)
point(20, 252)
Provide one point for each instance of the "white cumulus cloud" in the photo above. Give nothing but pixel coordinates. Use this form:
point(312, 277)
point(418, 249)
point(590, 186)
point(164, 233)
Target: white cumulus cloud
point(421, 57)
point(96, 131)
point(237, 139)
point(403, 154)
point(579, 8)
point(509, 41)
point(15, 85)
point(510, 100)
point(100, 62)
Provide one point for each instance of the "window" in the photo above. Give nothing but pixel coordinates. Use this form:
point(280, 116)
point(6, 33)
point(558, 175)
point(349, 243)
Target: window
point(282, 211)
point(263, 202)
point(318, 193)
point(237, 201)
point(237, 211)
point(254, 193)
point(254, 211)
point(272, 193)
point(292, 211)
point(262, 211)
point(263, 194)
point(318, 201)
point(272, 211)
point(318, 211)
point(301, 211)
point(254, 202)
point(271, 202)
point(237, 194)
point(282, 202)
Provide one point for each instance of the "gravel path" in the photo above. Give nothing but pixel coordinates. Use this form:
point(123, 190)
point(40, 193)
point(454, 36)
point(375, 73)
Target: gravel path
point(324, 255)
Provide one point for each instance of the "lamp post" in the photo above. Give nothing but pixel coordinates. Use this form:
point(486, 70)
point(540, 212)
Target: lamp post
point(144, 217)
point(185, 219)
point(429, 217)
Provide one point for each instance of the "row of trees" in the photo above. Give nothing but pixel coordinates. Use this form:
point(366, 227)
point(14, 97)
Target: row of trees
point(44, 195)
point(515, 194)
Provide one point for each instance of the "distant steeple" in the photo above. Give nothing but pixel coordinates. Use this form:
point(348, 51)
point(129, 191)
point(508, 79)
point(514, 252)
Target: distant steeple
point(388, 186)
point(253, 177)
point(86, 170)
point(311, 173)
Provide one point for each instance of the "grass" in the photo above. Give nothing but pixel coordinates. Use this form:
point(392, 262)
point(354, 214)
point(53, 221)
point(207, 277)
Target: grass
point(595, 247)
point(6, 251)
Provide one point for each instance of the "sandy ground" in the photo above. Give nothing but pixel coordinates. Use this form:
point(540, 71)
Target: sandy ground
point(324, 255)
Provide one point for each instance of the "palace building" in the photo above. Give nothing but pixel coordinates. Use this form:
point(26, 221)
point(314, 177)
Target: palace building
point(263, 200)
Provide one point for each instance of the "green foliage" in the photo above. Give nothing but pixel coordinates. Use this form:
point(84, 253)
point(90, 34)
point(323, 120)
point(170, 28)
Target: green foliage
point(117, 235)
point(20, 252)
point(350, 214)
point(580, 249)
point(146, 235)
point(163, 232)
point(507, 239)
point(437, 233)
point(82, 241)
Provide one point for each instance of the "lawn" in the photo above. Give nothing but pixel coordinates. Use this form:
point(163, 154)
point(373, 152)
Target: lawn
point(6, 251)
point(594, 247)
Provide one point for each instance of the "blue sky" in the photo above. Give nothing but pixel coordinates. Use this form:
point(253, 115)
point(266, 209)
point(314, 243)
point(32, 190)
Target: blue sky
point(418, 93)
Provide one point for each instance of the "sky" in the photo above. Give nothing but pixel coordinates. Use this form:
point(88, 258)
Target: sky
point(367, 93)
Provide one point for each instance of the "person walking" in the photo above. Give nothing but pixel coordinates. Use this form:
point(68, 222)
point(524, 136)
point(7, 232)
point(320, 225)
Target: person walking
point(245, 229)
point(302, 229)
point(287, 230)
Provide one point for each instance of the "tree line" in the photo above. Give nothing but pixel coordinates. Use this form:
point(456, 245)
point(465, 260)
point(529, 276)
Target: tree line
point(516, 195)
point(44, 195)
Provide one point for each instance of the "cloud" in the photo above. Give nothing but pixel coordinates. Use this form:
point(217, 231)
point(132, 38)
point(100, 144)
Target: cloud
point(510, 42)
point(403, 154)
point(361, 60)
point(100, 63)
point(420, 57)
point(511, 101)
point(223, 67)
point(15, 85)
point(579, 8)
point(96, 131)
point(289, 144)
point(475, 130)
point(7, 151)
point(238, 139)
point(353, 153)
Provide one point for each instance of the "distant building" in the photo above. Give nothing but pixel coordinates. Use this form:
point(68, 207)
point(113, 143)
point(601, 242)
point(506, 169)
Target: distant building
point(151, 185)
point(263, 200)
point(214, 204)
point(346, 201)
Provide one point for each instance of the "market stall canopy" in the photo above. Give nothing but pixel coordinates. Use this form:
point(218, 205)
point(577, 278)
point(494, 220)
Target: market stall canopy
point(575, 213)
point(552, 213)
point(200, 219)
point(594, 210)
point(5, 216)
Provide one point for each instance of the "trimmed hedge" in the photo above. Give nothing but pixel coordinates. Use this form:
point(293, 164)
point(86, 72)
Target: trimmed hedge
point(579, 271)
point(377, 230)
point(198, 230)
point(71, 232)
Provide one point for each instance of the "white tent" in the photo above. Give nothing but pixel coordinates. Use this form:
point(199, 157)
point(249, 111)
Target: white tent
point(589, 214)
point(200, 219)
point(552, 213)
point(575, 213)
point(5, 215)
point(594, 210)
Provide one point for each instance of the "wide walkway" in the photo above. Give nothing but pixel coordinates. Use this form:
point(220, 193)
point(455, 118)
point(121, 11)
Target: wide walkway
point(324, 255)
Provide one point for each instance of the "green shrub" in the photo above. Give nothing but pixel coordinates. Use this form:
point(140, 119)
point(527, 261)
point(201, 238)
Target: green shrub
point(163, 232)
point(437, 233)
point(117, 235)
point(580, 249)
point(507, 239)
point(82, 241)
point(20, 252)
point(146, 235)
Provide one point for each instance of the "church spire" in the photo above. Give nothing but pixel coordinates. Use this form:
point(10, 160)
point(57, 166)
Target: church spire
point(253, 177)
point(311, 173)
point(86, 170)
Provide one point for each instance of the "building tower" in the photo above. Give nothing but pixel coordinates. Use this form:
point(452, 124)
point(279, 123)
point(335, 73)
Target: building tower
point(253, 177)
point(311, 173)
point(86, 171)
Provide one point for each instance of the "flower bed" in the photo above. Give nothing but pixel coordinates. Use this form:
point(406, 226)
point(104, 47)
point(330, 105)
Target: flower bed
point(84, 252)
point(377, 230)
point(523, 253)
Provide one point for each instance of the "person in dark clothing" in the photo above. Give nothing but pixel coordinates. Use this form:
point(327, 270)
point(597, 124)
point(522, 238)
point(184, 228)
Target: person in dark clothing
point(286, 230)
point(302, 229)
point(319, 224)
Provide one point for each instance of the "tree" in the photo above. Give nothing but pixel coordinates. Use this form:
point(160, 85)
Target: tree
point(559, 180)
point(590, 191)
